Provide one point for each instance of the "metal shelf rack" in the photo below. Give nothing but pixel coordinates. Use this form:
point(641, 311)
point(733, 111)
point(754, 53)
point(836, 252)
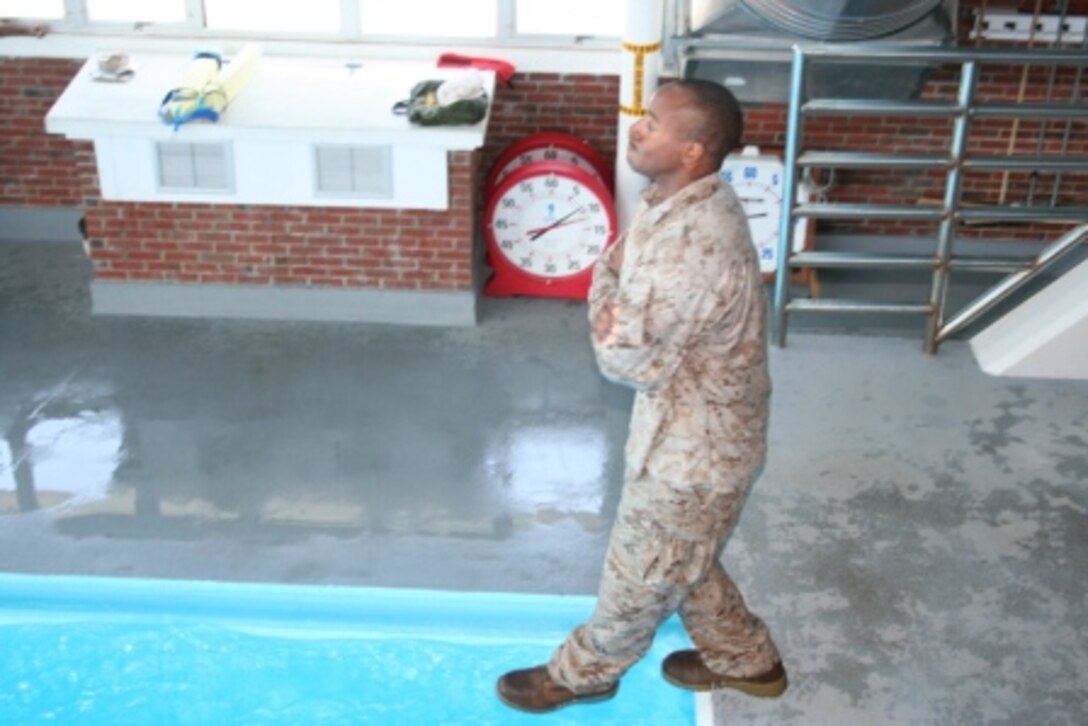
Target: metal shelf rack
point(950, 212)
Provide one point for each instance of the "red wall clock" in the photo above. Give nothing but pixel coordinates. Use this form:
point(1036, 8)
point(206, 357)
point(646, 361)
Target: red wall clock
point(545, 224)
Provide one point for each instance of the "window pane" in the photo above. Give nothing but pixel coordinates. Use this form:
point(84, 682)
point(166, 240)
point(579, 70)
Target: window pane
point(136, 11)
point(198, 167)
point(50, 9)
point(570, 17)
point(465, 18)
point(359, 171)
point(278, 16)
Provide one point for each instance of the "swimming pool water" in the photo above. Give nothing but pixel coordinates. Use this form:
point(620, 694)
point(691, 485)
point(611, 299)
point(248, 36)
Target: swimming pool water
point(102, 651)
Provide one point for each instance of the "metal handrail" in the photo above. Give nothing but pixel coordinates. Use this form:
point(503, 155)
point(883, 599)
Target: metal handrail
point(985, 302)
point(954, 163)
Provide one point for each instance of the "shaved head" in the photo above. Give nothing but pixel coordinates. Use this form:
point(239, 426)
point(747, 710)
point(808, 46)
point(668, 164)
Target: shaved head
point(714, 117)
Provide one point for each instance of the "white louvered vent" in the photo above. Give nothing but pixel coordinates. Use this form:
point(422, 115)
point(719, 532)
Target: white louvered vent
point(355, 171)
point(194, 167)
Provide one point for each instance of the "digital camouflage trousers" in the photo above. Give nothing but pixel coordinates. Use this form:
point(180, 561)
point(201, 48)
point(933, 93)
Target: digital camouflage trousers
point(663, 557)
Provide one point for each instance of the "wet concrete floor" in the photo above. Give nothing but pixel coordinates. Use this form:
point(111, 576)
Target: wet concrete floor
point(917, 541)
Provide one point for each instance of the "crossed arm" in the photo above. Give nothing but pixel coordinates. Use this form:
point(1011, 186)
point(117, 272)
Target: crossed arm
point(605, 315)
point(642, 330)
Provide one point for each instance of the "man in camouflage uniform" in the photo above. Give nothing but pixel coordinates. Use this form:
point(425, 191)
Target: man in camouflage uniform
point(679, 313)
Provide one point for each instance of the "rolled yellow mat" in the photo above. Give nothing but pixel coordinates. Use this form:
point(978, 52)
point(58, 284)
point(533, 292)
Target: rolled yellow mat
point(204, 94)
point(221, 90)
point(185, 98)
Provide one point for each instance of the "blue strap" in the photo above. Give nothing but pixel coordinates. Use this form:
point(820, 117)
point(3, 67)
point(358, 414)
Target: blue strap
point(209, 54)
point(201, 112)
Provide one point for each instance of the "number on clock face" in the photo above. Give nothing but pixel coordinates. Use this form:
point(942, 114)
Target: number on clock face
point(549, 153)
point(548, 146)
point(551, 226)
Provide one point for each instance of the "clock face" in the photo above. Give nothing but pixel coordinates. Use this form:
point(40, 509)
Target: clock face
point(758, 184)
point(547, 146)
point(550, 220)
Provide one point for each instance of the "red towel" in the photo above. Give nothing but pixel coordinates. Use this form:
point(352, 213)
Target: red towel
point(503, 71)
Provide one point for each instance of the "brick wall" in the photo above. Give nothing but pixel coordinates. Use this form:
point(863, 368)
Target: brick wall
point(578, 104)
point(901, 134)
point(243, 244)
point(273, 245)
point(37, 169)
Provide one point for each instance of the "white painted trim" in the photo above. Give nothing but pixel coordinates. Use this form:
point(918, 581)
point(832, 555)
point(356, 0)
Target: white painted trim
point(704, 709)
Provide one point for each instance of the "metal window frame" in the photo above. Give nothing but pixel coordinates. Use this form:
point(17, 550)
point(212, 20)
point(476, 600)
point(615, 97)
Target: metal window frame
point(950, 212)
point(76, 21)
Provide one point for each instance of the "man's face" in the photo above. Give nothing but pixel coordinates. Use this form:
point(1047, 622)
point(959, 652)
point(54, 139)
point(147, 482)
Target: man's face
point(658, 140)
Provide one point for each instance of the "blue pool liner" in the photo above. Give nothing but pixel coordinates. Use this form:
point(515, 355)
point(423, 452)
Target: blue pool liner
point(86, 650)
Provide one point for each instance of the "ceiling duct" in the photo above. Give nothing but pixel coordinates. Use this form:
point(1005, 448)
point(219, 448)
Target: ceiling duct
point(745, 44)
point(843, 21)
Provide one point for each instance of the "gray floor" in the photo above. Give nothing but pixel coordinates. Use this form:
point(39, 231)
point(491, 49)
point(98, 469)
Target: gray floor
point(918, 541)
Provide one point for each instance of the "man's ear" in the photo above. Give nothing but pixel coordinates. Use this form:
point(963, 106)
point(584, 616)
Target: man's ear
point(694, 154)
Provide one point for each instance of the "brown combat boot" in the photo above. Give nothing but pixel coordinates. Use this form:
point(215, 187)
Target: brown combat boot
point(533, 690)
point(685, 669)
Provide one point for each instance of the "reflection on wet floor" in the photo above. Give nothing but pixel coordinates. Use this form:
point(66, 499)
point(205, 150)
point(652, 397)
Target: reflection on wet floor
point(87, 463)
point(559, 468)
point(60, 452)
point(130, 427)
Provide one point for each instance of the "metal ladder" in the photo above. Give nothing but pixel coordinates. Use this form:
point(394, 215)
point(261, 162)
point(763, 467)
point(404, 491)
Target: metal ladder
point(950, 212)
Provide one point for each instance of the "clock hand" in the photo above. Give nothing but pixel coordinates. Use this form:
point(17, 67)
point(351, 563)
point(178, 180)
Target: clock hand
point(535, 233)
point(541, 231)
point(567, 216)
point(757, 216)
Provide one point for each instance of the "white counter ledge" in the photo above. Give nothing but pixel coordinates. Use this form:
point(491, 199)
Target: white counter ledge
point(311, 132)
point(288, 99)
